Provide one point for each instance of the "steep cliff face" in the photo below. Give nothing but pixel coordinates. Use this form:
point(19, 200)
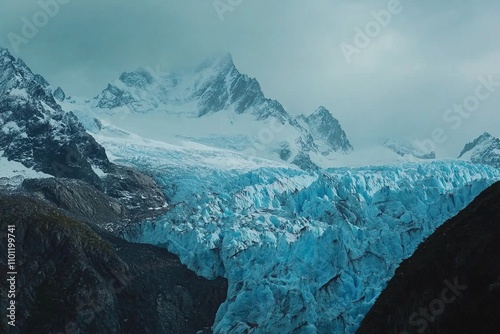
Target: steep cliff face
point(82, 201)
point(36, 132)
point(483, 150)
point(73, 279)
point(326, 131)
point(228, 107)
point(213, 86)
point(451, 284)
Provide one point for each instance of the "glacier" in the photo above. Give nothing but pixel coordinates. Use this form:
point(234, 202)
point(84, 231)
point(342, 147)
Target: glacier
point(304, 252)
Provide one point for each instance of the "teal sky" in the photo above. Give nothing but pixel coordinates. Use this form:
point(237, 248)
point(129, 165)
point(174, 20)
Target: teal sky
point(427, 58)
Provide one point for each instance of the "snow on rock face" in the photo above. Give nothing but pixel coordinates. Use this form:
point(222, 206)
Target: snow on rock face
point(408, 149)
point(303, 252)
point(36, 132)
point(18, 82)
point(326, 129)
point(59, 94)
point(12, 173)
point(213, 86)
point(215, 90)
point(483, 150)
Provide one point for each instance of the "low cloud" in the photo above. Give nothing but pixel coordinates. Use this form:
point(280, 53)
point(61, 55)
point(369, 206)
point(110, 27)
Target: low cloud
point(426, 59)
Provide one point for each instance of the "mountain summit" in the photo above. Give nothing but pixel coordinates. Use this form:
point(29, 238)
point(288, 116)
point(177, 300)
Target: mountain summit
point(39, 135)
point(213, 86)
point(483, 150)
point(326, 131)
point(36, 132)
point(408, 149)
point(228, 109)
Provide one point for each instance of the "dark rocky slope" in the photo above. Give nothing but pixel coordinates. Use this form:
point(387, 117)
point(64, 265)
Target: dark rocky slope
point(452, 282)
point(81, 201)
point(75, 279)
point(35, 131)
point(91, 205)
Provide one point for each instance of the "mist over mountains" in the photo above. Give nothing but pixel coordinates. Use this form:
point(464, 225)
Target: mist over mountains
point(280, 222)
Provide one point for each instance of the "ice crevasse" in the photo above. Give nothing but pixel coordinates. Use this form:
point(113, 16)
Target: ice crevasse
point(304, 252)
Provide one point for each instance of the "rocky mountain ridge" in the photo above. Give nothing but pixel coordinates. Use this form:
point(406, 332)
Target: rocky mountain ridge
point(216, 86)
point(36, 132)
point(484, 150)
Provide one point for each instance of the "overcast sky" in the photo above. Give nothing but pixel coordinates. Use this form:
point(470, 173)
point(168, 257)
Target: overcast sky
point(426, 59)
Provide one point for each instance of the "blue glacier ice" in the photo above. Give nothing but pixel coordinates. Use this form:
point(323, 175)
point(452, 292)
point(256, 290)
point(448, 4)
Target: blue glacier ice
point(303, 252)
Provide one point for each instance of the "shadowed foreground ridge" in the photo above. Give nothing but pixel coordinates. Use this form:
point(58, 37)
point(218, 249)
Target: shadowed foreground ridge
point(72, 279)
point(452, 282)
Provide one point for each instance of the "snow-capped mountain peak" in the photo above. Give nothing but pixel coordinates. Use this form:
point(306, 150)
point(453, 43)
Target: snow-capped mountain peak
point(16, 79)
point(213, 86)
point(407, 149)
point(320, 112)
point(484, 150)
point(485, 138)
point(327, 130)
point(140, 78)
point(219, 63)
point(227, 108)
point(36, 132)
